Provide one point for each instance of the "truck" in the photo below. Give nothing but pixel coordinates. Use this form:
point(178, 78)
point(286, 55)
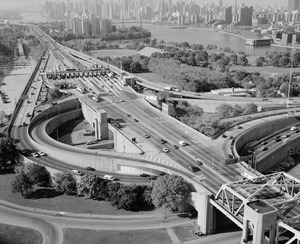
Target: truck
point(182, 143)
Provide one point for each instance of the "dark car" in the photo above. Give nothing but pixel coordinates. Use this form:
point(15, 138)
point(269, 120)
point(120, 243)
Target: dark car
point(194, 168)
point(175, 146)
point(162, 141)
point(153, 177)
point(136, 120)
point(90, 168)
point(144, 175)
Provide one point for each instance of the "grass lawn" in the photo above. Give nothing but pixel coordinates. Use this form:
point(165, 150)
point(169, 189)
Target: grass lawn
point(78, 236)
point(47, 198)
point(20, 235)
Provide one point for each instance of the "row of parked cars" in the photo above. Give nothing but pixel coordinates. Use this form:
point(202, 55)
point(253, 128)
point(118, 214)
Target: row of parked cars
point(281, 167)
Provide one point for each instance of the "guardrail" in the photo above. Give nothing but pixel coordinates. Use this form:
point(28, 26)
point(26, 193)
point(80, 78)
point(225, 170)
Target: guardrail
point(25, 91)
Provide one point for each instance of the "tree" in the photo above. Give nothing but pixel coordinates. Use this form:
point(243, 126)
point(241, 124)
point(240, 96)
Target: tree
point(284, 60)
point(178, 191)
point(9, 155)
point(65, 182)
point(135, 67)
point(250, 108)
point(159, 193)
point(224, 110)
point(88, 185)
point(37, 174)
point(170, 191)
point(21, 183)
point(260, 61)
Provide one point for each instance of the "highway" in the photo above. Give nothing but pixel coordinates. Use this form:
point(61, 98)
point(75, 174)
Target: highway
point(123, 100)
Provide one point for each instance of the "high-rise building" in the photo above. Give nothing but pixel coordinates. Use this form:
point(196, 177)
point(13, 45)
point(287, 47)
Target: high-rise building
point(181, 19)
point(246, 16)
point(293, 5)
point(228, 15)
point(105, 26)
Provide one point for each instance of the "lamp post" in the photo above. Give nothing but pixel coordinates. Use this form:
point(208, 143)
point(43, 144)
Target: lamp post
point(290, 77)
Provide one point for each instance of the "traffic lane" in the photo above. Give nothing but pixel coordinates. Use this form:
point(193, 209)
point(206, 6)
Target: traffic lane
point(60, 165)
point(42, 139)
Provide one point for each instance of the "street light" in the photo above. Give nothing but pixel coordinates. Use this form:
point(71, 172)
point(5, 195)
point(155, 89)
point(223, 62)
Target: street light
point(290, 77)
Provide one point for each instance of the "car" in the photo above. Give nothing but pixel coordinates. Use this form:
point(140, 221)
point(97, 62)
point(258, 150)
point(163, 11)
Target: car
point(278, 139)
point(136, 120)
point(146, 136)
point(24, 124)
point(28, 114)
point(264, 148)
point(175, 146)
point(15, 140)
point(90, 168)
point(193, 168)
point(163, 173)
point(34, 154)
point(153, 177)
point(19, 125)
point(28, 101)
point(76, 172)
point(264, 143)
point(166, 150)
point(42, 153)
point(144, 175)
point(128, 115)
point(285, 135)
point(162, 141)
point(199, 162)
point(230, 156)
point(108, 177)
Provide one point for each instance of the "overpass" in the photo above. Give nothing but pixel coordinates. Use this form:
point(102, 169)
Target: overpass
point(246, 201)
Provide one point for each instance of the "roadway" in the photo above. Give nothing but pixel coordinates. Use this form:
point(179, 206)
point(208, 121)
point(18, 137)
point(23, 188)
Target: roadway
point(152, 122)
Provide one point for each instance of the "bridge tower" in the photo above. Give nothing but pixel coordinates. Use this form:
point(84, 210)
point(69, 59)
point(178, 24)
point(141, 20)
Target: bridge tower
point(259, 218)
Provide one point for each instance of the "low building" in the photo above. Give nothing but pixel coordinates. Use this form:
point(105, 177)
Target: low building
point(168, 109)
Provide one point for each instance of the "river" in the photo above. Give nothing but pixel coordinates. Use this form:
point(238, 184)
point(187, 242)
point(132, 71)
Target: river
point(190, 35)
point(207, 36)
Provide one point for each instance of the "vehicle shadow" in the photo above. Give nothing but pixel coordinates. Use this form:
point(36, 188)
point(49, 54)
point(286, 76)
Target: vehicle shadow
point(43, 193)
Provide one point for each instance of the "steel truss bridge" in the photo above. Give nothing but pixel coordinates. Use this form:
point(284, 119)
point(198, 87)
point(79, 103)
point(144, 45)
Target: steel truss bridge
point(276, 194)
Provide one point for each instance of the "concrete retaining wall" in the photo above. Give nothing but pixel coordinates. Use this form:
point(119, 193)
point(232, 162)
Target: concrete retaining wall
point(272, 157)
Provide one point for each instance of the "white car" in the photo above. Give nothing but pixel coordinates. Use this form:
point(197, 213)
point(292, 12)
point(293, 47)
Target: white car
point(42, 154)
point(108, 177)
point(34, 154)
point(166, 150)
point(293, 128)
point(76, 172)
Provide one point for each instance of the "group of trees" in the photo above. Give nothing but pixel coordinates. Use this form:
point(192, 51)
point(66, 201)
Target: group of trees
point(96, 42)
point(9, 39)
point(279, 59)
point(129, 197)
point(168, 191)
point(9, 156)
point(29, 175)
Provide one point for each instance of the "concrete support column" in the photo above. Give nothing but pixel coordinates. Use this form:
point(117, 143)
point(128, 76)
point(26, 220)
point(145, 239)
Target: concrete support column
point(206, 212)
point(102, 125)
point(259, 217)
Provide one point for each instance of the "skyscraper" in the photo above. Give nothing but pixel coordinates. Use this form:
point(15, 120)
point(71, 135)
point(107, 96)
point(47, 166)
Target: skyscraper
point(228, 15)
point(246, 16)
point(293, 5)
